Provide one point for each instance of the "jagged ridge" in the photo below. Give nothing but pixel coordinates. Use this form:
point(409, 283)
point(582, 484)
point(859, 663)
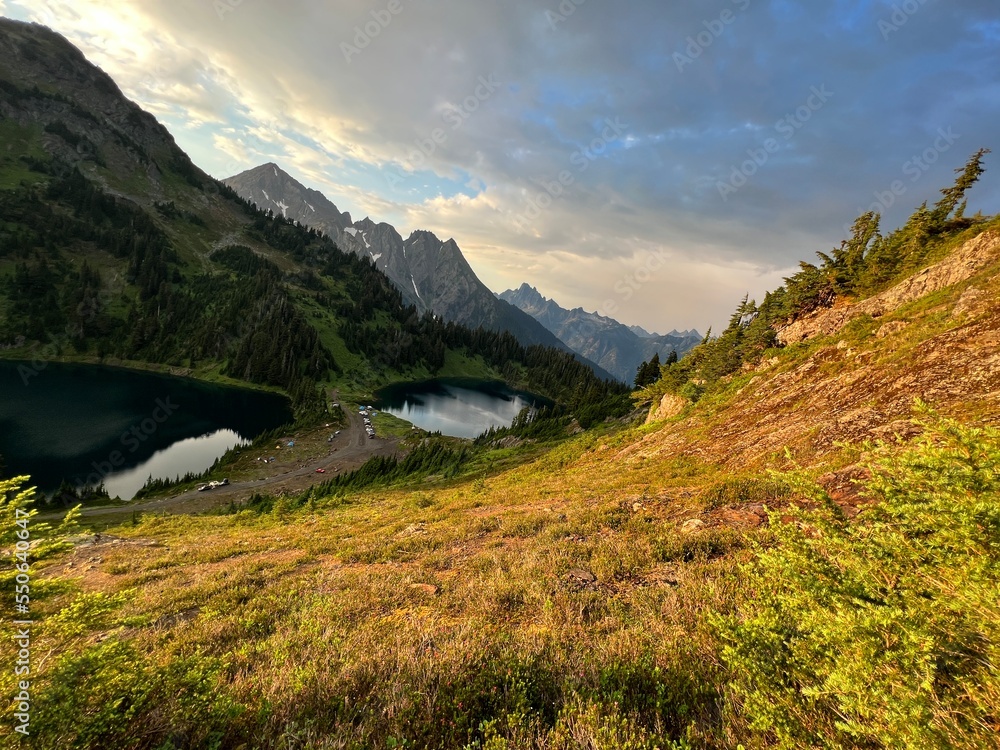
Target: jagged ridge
point(618, 349)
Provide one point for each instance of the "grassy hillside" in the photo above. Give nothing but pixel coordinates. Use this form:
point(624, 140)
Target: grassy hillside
point(800, 548)
point(684, 583)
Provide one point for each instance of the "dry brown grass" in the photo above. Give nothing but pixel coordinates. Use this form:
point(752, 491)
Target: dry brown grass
point(558, 604)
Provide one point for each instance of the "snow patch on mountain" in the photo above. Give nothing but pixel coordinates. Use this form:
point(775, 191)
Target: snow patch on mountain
point(454, 290)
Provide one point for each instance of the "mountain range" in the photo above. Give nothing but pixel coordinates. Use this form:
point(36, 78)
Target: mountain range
point(612, 345)
point(115, 247)
point(431, 274)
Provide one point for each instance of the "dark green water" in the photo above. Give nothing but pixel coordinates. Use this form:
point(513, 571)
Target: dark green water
point(89, 424)
point(459, 407)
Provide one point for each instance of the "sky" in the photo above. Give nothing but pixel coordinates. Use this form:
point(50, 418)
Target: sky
point(651, 160)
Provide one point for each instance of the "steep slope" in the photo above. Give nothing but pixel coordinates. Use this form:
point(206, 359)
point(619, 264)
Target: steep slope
point(115, 247)
point(854, 372)
point(587, 597)
point(618, 349)
point(431, 274)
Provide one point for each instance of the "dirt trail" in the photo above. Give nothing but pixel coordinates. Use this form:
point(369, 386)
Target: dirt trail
point(348, 451)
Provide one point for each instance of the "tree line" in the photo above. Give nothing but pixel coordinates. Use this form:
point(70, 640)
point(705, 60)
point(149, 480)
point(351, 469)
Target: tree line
point(863, 265)
point(243, 312)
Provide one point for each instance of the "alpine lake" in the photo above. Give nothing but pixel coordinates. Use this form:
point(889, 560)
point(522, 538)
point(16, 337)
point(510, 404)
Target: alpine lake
point(459, 407)
point(92, 424)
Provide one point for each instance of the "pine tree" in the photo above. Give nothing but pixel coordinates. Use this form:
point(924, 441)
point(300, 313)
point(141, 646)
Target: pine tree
point(648, 372)
point(844, 268)
point(953, 196)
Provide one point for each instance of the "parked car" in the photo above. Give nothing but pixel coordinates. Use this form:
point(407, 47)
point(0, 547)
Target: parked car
point(321, 471)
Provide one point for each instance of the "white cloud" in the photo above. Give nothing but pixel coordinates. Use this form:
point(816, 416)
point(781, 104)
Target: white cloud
point(269, 82)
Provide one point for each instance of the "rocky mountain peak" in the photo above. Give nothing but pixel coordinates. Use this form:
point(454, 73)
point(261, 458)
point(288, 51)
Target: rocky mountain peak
point(271, 188)
point(431, 274)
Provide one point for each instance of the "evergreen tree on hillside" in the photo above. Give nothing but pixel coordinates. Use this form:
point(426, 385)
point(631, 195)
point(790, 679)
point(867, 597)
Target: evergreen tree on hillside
point(953, 198)
point(864, 264)
point(648, 372)
point(843, 268)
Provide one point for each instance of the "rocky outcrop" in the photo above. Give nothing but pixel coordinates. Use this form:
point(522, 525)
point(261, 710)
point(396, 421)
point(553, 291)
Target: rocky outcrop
point(85, 119)
point(670, 406)
point(271, 188)
point(961, 265)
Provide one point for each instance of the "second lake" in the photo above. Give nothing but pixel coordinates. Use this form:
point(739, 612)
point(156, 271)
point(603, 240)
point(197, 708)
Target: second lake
point(458, 407)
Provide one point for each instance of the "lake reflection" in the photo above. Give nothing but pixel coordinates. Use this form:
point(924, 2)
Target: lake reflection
point(192, 455)
point(456, 407)
point(88, 424)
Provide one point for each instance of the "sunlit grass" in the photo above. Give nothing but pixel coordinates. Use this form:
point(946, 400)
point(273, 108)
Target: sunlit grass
point(551, 596)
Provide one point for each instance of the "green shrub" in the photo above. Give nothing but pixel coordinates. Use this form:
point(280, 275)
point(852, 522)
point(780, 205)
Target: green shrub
point(691, 391)
point(110, 695)
point(881, 632)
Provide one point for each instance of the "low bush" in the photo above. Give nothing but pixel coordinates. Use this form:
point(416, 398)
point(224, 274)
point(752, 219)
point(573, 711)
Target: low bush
point(882, 632)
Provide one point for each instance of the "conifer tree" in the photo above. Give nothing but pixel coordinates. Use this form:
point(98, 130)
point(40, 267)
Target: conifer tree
point(953, 197)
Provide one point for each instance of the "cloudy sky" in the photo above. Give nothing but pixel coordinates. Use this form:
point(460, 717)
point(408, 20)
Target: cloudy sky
point(647, 159)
